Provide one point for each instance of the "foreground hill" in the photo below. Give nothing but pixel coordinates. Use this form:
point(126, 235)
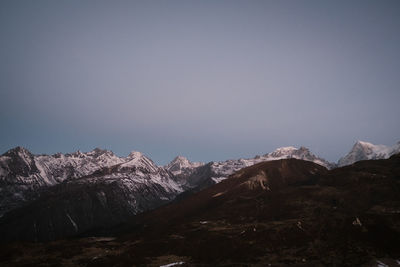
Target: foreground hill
point(280, 212)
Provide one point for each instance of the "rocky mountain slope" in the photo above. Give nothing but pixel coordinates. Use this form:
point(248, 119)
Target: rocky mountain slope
point(24, 176)
point(277, 213)
point(365, 151)
point(106, 197)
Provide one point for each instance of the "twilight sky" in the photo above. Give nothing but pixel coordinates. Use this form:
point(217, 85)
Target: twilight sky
point(210, 80)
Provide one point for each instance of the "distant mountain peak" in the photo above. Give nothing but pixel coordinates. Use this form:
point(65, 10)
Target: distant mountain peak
point(181, 160)
point(98, 150)
point(181, 164)
point(362, 150)
point(135, 154)
point(285, 149)
point(299, 153)
point(364, 144)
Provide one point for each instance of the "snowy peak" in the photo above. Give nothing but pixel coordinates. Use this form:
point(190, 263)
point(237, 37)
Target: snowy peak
point(98, 152)
point(180, 164)
point(365, 151)
point(302, 153)
point(20, 167)
point(23, 173)
point(95, 153)
point(135, 155)
point(283, 151)
point(181, 160)
point(137, 160)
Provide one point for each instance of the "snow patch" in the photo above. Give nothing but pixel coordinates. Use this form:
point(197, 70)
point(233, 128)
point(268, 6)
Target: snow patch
point(72, 222)
point(173, 264)
point(381, 264)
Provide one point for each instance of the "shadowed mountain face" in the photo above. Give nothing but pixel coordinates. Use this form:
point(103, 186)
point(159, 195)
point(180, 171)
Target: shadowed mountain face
point(280, 212)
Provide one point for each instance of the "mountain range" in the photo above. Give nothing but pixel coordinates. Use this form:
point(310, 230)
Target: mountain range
point(70, 194)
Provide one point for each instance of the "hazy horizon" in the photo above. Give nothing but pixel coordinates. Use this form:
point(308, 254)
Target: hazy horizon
point(208, 80)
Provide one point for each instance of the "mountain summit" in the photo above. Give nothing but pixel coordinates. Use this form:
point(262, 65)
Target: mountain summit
point(180, 164)
point(365, 151)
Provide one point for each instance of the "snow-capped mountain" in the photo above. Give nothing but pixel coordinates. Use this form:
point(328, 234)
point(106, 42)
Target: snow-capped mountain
point(104, 198)
point(72, 193)
point(181, 164)
point(366, 151)
point(21, 165)
point(135, 173)
point(58, 167)
point(23, 176)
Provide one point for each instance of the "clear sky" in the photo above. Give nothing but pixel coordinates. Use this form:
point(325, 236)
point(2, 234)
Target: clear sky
point(210, 80)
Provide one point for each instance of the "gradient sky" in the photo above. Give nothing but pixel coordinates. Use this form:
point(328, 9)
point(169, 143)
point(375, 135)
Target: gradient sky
point(210, 80)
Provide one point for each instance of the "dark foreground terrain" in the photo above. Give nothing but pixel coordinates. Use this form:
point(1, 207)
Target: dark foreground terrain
point(285, 212)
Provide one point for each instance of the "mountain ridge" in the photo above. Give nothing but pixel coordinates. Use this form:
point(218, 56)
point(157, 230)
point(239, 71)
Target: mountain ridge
point(136, 179)
point(23, 174)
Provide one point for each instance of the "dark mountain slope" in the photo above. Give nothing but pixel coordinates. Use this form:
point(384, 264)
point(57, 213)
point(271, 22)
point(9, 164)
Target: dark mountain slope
point(265, 178)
